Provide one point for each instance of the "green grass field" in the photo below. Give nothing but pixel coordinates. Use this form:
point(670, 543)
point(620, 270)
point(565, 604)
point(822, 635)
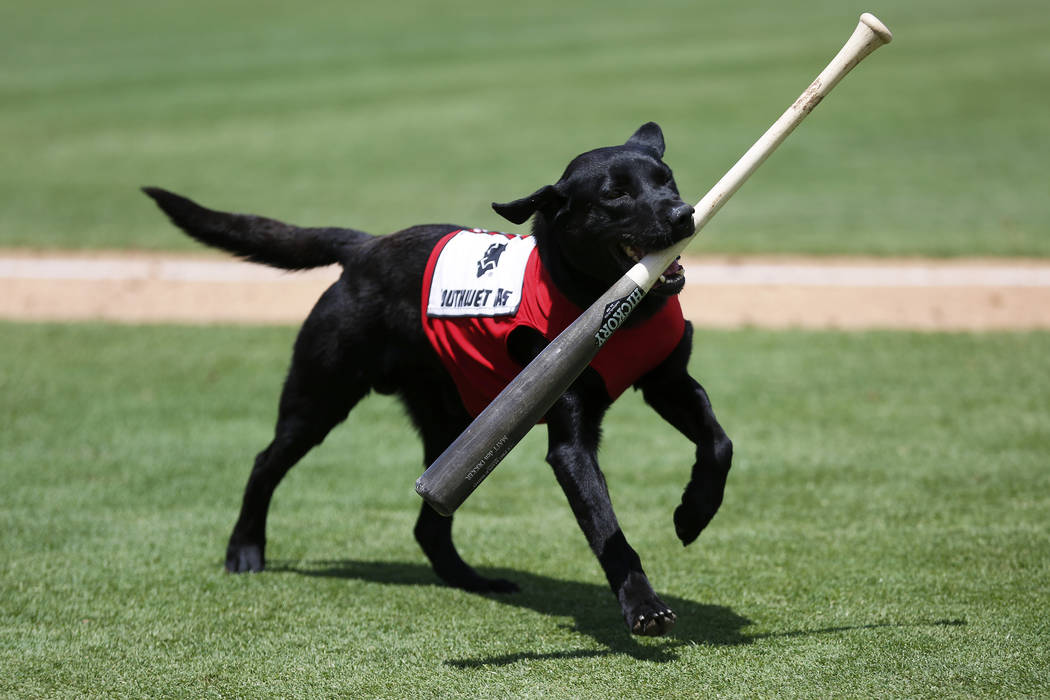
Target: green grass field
point(382, 115)
point(885, 527)
point(884, 534)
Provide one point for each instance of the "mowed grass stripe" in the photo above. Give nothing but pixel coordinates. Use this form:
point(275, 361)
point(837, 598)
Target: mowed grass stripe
point(387, 116)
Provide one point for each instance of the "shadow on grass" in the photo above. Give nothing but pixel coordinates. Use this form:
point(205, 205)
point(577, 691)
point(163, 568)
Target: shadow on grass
point(591, 607)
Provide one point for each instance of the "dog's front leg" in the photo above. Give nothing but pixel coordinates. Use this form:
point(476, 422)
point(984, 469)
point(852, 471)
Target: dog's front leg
point(682, 402)
point(573, 433)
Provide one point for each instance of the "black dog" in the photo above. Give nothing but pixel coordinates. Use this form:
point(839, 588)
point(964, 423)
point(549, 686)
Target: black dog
point(610, 207)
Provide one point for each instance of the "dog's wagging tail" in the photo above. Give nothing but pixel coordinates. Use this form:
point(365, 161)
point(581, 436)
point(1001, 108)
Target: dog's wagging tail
point(259, 239)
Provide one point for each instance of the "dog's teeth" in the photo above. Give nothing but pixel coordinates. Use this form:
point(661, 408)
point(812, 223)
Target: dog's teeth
point(663, 280)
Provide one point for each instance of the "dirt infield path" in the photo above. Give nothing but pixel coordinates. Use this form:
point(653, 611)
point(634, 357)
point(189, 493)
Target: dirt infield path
point(728, 292)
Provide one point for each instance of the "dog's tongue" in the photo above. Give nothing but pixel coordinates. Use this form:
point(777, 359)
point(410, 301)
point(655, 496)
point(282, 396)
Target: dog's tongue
point(675, 268)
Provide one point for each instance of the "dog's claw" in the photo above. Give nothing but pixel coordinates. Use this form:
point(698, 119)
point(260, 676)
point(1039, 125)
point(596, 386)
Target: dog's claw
point(654, 624)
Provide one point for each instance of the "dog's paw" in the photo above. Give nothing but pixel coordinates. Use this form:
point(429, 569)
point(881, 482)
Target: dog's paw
point(242, 558)
point(689, 522)
point(652, 619)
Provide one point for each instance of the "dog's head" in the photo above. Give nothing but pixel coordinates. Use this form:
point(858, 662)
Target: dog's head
point(610, 207)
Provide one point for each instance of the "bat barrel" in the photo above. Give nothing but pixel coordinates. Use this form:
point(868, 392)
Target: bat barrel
point(508, 418)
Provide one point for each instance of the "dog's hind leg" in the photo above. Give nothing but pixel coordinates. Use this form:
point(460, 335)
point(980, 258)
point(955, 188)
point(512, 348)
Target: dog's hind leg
point(434, 534)
point(320, 390)
point(440, 417)
point(305, 418)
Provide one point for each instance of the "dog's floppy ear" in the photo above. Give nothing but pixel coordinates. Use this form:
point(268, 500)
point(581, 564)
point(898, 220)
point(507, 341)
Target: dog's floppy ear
point(520, 210)
point(648, 136)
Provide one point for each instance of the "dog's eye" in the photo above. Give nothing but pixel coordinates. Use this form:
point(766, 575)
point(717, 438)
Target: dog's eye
point(614, 193)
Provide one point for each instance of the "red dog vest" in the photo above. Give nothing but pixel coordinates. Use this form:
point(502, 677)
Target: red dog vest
point(479, 286)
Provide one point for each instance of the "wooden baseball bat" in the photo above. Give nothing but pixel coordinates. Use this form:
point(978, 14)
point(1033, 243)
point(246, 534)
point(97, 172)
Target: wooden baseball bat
point(488, 439)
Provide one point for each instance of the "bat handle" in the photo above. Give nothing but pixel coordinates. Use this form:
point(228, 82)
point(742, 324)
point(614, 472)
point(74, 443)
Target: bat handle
point(869, 34)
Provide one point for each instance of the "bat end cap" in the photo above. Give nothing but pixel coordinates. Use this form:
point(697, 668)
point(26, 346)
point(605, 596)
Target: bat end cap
point(431, 499)
point(876, 25)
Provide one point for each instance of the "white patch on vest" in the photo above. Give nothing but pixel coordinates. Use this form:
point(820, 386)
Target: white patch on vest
point(479, 274)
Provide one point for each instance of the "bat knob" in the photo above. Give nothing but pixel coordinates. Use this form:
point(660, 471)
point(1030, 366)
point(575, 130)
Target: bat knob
point(876, 25)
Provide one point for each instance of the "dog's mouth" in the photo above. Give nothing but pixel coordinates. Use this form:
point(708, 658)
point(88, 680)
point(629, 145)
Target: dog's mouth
point(670, 282)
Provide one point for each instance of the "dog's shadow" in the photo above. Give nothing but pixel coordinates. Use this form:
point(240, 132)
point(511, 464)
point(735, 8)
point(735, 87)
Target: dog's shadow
point(590, 608)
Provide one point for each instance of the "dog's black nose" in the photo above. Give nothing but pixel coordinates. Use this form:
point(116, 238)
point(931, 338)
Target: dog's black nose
point(680, 214)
